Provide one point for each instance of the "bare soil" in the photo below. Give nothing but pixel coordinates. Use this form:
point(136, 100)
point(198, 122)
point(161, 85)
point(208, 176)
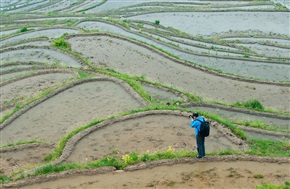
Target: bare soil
point(205, 173)
point(14, 159)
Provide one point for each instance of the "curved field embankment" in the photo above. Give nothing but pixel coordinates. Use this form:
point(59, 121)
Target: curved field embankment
point(70, 107)
point(24, 88)
point(34, 43)
point(46, 55)
point(160, 94)
point(253, 68)
point(217, 171)
point(50, 33)
point(146, 131)
point(135, 59)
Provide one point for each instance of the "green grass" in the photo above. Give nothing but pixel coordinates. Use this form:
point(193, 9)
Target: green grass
point(23, 29)
point(61, 43)
point(83, 74)
point(4, 179)
point(260, 125)
point(269, 148)
point(272, 186)
point(22, 142)
point(250, 104)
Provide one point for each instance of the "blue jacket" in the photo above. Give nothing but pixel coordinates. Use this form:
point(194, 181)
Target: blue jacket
point(196, 124)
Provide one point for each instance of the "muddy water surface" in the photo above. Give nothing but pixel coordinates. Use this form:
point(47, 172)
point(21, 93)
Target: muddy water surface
point(50, 33)
point(64, 112)
point(125, 57)
point(38, 55)
point(30, 87)
point(207, 23)
point(252, 69)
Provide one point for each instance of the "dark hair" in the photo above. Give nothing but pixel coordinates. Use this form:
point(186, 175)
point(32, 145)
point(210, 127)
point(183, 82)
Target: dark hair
point(195, 114)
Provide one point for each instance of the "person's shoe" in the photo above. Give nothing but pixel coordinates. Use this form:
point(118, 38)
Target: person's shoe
point(198, 157)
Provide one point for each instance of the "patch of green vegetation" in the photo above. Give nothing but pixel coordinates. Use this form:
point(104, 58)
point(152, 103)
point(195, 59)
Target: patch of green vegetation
point(83, 74)
point(157, 22)
point(269, 148)
point(280, 7)
point(61, 43)
point(251, 104)
point(272, 186)
point(106, 161)
point(55, 168)
point(23, 29)
point(4, 179)
point(259, 124)
point(21, 143)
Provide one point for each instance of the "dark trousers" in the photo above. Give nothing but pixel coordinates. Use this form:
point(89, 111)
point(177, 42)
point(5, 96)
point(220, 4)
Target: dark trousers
point(200, 145)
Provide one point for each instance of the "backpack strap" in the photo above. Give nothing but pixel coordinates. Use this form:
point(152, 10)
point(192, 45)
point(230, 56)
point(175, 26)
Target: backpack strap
point(200, 122)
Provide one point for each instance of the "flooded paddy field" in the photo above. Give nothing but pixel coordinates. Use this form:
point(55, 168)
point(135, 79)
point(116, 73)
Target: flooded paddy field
point(18, 91)
point(220, 60)
point(208, 23)
point(97, 94)
point(50, 33)
point(38, 54)
point(143, 61)
point(78, 107)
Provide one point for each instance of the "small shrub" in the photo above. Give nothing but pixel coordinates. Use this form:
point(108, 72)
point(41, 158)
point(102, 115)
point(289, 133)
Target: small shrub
point(61, 43)
point(130, 158)
point(23, 29)
point(255, 104)
point(107, 161)
point(157, 22)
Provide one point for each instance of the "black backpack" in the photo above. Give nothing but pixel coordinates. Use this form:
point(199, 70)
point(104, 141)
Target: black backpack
point(204, 128)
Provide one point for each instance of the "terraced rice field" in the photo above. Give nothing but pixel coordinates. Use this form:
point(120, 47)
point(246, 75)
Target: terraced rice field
point(96, 94)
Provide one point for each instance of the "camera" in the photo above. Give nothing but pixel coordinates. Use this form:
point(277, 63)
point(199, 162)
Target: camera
point(190, 116)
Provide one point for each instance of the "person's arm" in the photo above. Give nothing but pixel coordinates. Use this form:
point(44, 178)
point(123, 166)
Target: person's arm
point(193, 124)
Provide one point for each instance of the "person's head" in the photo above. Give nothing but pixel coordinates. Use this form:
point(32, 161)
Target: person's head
point(195, 115)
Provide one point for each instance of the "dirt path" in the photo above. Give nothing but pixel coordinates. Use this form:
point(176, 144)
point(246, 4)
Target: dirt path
point(226, 173)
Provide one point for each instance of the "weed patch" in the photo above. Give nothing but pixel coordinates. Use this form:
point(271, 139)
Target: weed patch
point(251, 104)
point(269, 148)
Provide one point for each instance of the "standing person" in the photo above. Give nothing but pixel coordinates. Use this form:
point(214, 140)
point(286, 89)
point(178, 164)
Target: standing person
point(196, 121)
